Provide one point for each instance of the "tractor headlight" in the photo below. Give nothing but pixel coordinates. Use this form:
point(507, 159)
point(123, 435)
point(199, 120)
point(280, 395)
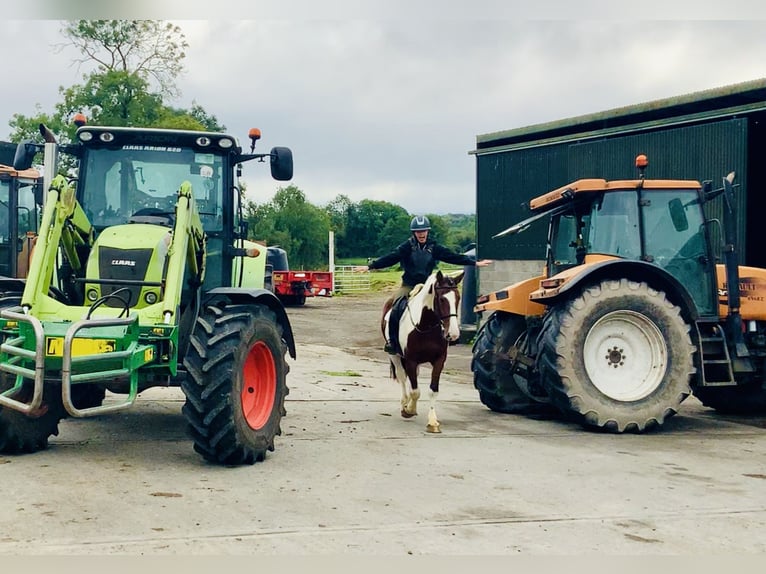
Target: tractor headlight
point(553, 283)
point(106, 137)
point(150, 297)
point(92, 295)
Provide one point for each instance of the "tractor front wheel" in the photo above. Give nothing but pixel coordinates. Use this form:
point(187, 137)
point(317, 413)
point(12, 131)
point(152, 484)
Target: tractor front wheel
point(25, 433)
point(236, 383)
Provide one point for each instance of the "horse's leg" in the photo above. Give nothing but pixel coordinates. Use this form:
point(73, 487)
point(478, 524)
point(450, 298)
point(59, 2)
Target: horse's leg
point(401, 376)
point(433, 423)
point(412, 392)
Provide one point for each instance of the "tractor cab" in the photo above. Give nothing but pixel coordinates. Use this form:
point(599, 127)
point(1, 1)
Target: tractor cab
point(131, 177)
point(19, 196)
point(660, 222)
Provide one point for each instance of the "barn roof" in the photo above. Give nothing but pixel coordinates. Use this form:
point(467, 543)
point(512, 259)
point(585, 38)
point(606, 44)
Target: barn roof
point(689, 108)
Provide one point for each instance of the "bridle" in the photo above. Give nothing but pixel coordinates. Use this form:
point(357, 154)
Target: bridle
point(441, 318)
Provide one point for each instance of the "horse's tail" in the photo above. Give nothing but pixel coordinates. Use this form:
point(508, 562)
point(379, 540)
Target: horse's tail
point(392, 369)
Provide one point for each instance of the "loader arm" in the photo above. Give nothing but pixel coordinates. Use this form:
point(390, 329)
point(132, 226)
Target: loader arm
point(186, 251)
point(63, 222)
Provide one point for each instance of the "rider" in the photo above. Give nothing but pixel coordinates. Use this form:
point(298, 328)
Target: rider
point(418, 256)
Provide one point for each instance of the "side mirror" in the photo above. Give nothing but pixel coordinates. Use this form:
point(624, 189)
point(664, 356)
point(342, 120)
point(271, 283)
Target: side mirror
point(281, 163)
point(25, 155)
point(678, 215)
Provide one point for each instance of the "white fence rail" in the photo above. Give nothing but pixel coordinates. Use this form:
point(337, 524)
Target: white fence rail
point(347, 281)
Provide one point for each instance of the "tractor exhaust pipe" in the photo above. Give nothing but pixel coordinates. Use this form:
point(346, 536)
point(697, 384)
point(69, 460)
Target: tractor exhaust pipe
point(731, 263)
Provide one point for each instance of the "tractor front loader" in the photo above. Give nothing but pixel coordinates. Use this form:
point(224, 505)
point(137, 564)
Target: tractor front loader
point(639, 305)
point(136, 281)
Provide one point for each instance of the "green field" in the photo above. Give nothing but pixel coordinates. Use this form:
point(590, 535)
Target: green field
point(388, 279)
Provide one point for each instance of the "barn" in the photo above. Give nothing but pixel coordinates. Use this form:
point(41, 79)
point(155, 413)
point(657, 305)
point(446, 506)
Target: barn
point(700, 136)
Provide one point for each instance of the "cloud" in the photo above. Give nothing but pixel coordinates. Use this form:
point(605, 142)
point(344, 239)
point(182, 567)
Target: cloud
point(389, 107)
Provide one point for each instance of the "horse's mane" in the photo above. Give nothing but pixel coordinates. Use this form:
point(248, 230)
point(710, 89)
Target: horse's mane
point(420, 297)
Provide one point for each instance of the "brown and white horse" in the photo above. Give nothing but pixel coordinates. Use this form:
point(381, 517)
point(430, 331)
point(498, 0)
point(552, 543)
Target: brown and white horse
point(427, 325)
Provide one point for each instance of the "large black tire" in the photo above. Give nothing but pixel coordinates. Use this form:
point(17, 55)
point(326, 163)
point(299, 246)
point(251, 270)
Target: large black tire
point(617, 357)
point(740, 400)
point(236, 383)
point(22, 433)
point(492, 369)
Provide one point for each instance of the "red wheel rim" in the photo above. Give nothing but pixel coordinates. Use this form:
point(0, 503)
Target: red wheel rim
point(259, 385)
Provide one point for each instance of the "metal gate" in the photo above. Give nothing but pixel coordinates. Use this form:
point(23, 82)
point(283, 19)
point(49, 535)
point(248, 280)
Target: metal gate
point(348, 281)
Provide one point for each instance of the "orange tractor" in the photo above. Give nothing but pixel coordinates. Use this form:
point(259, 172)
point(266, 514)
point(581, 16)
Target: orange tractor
point(634, 310)
point(20, 195)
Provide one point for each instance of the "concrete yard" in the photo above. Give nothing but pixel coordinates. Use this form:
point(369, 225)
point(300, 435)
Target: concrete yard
point(350, 476)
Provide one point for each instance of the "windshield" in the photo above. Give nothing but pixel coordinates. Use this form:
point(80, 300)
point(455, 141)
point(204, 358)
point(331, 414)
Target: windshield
point(614, 226)
point(136, 179)
point(674, 236)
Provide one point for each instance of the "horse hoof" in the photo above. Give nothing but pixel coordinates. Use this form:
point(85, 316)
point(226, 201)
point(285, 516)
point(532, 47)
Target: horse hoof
point(407, 415)
point(434, 428)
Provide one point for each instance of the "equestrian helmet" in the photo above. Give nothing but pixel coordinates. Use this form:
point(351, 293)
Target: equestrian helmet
point(420, 223)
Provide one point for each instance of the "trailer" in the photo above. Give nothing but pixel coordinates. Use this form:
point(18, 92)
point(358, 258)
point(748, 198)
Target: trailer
point(292, 287)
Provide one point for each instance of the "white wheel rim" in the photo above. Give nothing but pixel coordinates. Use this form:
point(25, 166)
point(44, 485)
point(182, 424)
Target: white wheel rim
point(625, 355)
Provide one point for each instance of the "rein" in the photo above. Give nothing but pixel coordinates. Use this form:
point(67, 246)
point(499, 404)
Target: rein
point(439, 317)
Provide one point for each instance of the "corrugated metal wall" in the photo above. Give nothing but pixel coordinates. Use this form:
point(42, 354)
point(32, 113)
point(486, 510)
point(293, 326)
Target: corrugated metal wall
point(706, 151)
point(504, 182)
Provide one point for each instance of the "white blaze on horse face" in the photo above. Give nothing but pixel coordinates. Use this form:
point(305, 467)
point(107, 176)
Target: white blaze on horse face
point(453, 333)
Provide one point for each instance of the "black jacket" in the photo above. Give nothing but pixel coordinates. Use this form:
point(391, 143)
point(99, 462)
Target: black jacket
point(418, 261)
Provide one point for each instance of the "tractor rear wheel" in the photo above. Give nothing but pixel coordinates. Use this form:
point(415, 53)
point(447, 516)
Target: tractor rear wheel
point(617, 357)
point(494, 370)
point(236, 383)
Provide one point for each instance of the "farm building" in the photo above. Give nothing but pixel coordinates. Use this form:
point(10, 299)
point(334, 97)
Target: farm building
point(700, 136)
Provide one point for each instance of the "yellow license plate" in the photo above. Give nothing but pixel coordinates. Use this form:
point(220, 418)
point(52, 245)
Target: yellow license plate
point(54, 346)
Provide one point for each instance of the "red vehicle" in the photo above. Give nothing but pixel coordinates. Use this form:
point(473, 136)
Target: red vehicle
point(292, 287)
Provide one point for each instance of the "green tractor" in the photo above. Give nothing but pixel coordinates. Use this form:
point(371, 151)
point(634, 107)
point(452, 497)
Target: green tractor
point(142, 277)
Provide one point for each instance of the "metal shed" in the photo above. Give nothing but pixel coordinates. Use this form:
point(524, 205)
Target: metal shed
point(702, 135)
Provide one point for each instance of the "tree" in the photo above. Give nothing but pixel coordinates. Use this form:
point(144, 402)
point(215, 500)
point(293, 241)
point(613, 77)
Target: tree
point(294, 224)
point(337, 210)
point(153, 50)
point(393, 232)
point(195, 119)
point(116, 98)
point(365, 222)
point(440, 230)
point(27, 128)
point(130, 57)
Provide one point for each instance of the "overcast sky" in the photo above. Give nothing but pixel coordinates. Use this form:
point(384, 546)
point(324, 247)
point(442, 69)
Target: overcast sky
point(388, 107)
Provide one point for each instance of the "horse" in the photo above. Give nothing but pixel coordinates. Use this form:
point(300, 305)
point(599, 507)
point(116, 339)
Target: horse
point(428, 324)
